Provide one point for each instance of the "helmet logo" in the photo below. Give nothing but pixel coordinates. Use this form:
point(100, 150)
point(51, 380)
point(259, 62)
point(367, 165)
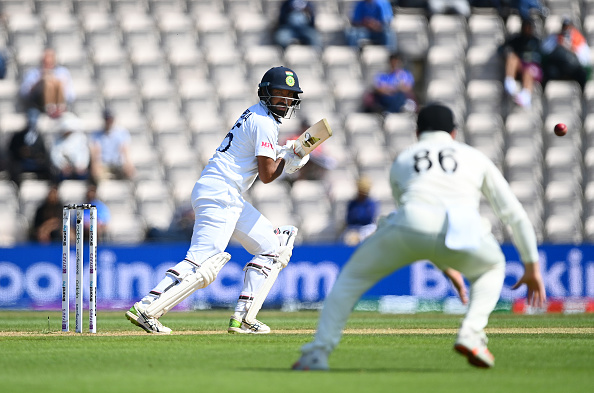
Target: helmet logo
point(289, 80)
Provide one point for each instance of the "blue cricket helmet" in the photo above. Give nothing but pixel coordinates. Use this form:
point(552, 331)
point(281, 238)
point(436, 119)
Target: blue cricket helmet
point(281, 78)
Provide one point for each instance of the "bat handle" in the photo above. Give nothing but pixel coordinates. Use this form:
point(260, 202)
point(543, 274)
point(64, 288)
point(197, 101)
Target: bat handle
point(298, 150)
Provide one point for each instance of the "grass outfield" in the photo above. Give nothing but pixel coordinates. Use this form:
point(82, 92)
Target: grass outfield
point(378, 353)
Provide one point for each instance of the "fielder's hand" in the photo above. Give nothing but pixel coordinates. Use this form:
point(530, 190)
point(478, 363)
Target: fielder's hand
point(458, 282)
point(536, 295)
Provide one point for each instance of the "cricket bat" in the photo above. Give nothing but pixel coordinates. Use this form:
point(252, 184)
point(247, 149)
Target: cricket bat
point(311, 138)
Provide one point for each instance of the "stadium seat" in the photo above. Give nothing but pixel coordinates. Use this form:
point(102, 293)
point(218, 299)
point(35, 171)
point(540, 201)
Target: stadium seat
point(176, 29)
point(148, 64)
point(523, 129)
point(14, 228)
point(484, 96)
point(25, 30)
point(523, 163)
point(348, 95)
point(126, 228)
point(9, 197)
point(186, 63)
point(252, 29)
point(110, 62)
point(485, 29)
point(341, 64)
point(146, 162)
point(373, 59)
point(484, 62)
point(154, 203)
point(17, 7)
point(9, 101)
point(448, 30)
point(31, 193)
point(62, 30)
point(118, 195)
point(563, 163)
point(563, 97)
point(169, 127)
point(73, 191)
point(412, 31)
point(445, 62)
point(215, 30)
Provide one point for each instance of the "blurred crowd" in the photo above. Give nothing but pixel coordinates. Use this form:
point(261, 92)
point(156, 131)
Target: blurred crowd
point(75, 152)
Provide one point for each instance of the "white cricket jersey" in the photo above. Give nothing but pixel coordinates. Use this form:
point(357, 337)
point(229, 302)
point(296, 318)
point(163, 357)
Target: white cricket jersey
point(438, 177)
point(254, 134)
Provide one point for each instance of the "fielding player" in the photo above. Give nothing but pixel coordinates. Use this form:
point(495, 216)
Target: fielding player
point(437, 184)
point(249, 150)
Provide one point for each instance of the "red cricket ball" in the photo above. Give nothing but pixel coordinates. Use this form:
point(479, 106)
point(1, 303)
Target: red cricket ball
point(560, 129)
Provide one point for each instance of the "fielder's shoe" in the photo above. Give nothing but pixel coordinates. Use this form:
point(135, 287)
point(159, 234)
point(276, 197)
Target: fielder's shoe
point(314, 359)
point(140, 319)
point(473, 345)
point(235, 326)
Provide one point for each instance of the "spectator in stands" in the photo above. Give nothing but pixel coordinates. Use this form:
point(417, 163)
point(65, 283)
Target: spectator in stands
point(456, 7)
point(48, 87)
point(361, 214)
point(529, 8)
point(296, 24)
point(523, 59)
point(370, 21)
point(28, 152)
point(566, 55)
point(392, 91)
point(70, 154)
point(47, 223)
point(110, 151)
point(103, 213)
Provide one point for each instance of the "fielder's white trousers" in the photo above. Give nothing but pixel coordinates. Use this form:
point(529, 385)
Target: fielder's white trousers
point(401, 242)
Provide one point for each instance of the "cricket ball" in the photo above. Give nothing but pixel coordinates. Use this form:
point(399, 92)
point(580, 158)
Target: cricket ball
point(560, 129)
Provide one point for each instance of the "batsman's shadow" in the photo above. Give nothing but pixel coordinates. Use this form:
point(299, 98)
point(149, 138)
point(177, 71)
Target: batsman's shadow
point(356, 370)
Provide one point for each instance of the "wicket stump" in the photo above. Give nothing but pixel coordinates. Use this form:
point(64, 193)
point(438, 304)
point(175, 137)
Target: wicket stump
point(80, 209)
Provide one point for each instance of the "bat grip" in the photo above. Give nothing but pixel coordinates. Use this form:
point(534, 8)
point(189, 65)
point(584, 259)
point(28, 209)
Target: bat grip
point(298, 150)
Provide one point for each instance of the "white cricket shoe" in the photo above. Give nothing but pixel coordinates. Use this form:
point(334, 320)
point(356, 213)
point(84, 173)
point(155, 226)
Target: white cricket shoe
point(244, 327)
point(523, 98)
point(511, 86)
point(315, 359)
point(140, 319)
point(473, 345)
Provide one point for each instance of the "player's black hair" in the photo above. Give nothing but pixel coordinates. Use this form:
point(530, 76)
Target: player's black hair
point(435, 117)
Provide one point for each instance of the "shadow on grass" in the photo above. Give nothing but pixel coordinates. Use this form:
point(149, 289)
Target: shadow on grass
point(381, 370)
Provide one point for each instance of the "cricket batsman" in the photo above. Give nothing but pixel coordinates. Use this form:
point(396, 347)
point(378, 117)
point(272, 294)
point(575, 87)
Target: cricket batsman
point(249, 150)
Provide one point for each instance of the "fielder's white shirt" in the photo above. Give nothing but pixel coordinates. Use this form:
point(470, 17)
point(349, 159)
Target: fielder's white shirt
point(440, 182)
point(254, 134)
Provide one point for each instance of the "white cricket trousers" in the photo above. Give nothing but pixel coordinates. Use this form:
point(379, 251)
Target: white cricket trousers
point(222, 213)
point(400, 243)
